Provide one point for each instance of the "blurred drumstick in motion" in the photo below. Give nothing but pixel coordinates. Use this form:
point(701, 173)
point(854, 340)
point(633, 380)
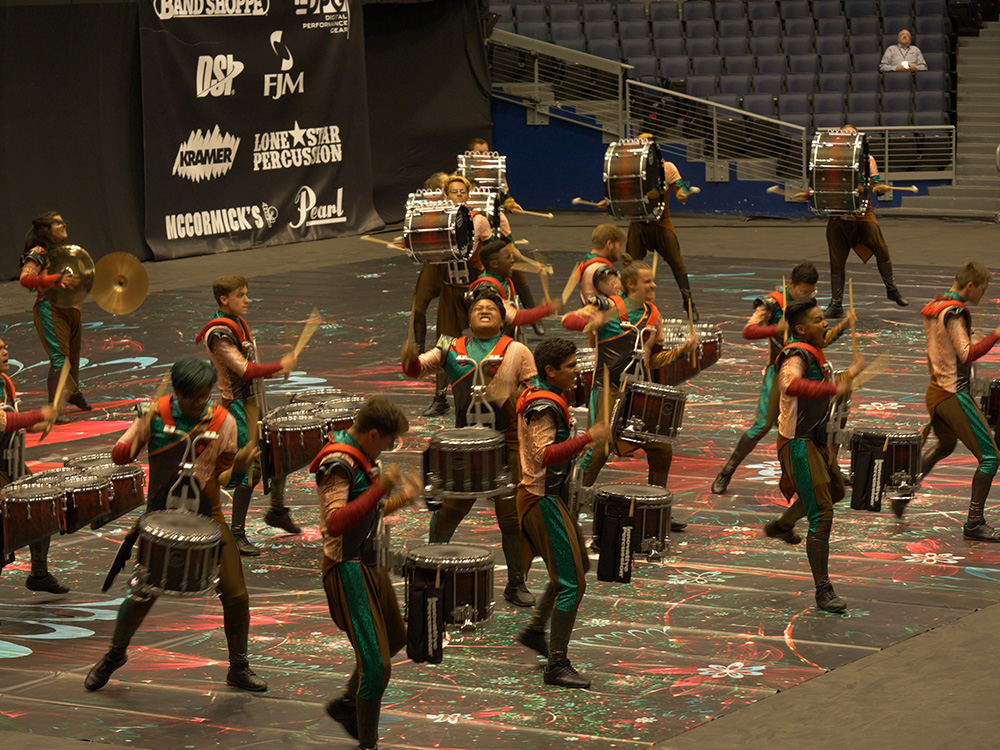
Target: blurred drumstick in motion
point(409, 330)
point(694, 354)
point(57, 399)
point(784, 305)
point(870, 371)
point(308, 330)
point(582, 202)
point(910, 189)
point(574, 279)
point(148, 416)
point(535, 213)
point(369, 238)
point(775, 190)
point(606, 398)
point(850, 301)
point(693, 190)
point(656, 256)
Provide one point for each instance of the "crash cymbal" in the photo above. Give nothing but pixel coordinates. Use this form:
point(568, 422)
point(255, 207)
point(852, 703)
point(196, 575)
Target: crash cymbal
point(71, 260)
point(120, 283)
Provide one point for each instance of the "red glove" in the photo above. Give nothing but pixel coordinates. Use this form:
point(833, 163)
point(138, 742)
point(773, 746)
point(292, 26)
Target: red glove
point(261, 369)
point(39, 280)
point(528, 317)
point(346, 518)
point(574, 322)
point(564, 451)
point(23, 420)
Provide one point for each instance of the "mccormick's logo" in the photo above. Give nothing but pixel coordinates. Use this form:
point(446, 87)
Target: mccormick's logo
point(219, 221)
point(202, 157)
point(334, 15)
point(277, 85)
point(216, 74)
point(281, 149)
point(167, 9)
point(311, 214)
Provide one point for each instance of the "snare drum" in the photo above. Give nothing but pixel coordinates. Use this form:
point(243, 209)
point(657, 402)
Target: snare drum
point(651, 517)
point(839, 174)
point(987, 394)
point(89, 461)
point(886, 458)
point(675, 333)
point(317, 396)
point(337, 417)
point(178, 554)
point(127, 482)
point(292, 442)
point(29, 513)
point(438, 233)
point(466, 463)
point(647, 412)
point(634, 180)
point(466, 580)
point(484, 169)
point(586, 363)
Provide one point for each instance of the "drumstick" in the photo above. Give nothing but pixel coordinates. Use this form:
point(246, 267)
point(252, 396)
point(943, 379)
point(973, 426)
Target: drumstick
point(537, 213)
point(784, 305)
point(532, 266)
point(850, 300)
point(694, 355)
point(910, 189)
point(877, 365)
point(307, 331)
point(544, 278)
point(693, 190)
point(775, 190)
point(582, 202)
point(369, 238)
point(656, 257)
point(60, 388)
point(148, 416)
point(606, 397)
point(571, 282)
point(885, 446)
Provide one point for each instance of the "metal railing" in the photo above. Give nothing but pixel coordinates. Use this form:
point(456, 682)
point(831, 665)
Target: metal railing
point(553, 81)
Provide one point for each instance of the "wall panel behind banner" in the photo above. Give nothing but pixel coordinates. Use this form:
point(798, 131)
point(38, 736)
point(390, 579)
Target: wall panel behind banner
point(71, 126)
point(255, 122)
point(428, 92)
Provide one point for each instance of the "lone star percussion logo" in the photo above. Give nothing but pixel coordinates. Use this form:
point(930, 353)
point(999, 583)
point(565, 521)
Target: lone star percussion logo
point(167, 9)
point(215, 75)
point(283, 149)
point(335, 15)
point(311, 213)
point(202, 157)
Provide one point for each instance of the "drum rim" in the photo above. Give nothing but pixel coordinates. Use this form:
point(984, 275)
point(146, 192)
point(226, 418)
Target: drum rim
point(486, 560)
point(117, 471)
point(53, 492)
point(148, 521)
point(602, 488)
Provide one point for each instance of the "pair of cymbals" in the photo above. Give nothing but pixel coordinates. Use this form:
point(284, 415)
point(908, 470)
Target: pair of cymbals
point(118, 282)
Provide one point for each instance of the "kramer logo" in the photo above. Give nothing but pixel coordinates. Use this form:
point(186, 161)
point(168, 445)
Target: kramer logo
point(282, 83)
point(311, 214)
point(216, 74)
point(167, 9)
point(202, 157)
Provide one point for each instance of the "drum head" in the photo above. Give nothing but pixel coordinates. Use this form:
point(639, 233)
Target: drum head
point(464, 232)
point(29, 493)
point(294, 423)
point(56, 477)
point(642, 493)
point(90, 460)
point(450, 555)
point(114, 471)
point(317, 396)
point(84, 482)
point(180, 526)
point(468, 438)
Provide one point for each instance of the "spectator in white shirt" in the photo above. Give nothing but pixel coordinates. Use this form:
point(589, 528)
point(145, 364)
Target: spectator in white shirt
point(902, 55)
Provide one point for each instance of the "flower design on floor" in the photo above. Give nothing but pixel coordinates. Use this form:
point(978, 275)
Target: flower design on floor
point(448, 718)
point(737, 670)
point(699, 577)
point(932, 558)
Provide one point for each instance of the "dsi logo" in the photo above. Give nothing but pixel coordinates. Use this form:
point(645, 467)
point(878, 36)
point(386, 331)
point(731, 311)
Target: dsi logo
point(216, 74)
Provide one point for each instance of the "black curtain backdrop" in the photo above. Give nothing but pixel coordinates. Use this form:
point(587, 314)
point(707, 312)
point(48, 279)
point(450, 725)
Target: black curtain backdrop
point(71, 125)
point(428, 93)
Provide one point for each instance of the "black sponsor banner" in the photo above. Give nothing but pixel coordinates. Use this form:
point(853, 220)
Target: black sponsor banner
point(255, 121)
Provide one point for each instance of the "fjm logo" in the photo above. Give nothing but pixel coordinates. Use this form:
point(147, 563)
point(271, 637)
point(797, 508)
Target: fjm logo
point(215, 75)
point(202, 157)
point(311, 214)
point(276, 85)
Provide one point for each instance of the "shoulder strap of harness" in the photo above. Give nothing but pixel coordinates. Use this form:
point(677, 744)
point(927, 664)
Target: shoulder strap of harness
point(240, 330)
point(490, 280)
point(533, 397)
point(350, 450)
point(817, 354)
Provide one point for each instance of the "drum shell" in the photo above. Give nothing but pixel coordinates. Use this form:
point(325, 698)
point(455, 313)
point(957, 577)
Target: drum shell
point(293, 442)
point(467, 583)
point(586, 364)
point(901, 467)
point(634, 180)
point(484, 169)
point(839, 174)
point(85, 499)
point(438, 233)
point(466, 463)
point(648, 412)
point(127, 482)
point(172, 562)
point(651, 517)
point(708, 353)
point(28, 513)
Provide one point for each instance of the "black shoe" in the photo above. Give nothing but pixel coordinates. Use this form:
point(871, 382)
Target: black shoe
point(895, 296)
point(771, 529)
point(535, 640)
point(562, 673)
point(80, 402)
point(281, 520)
point(517, 594)
point(833, 311)
point(244, 546)
point(827, 599)
point(345, 713)
point(721, 483)
point(981, 532)
point(437, 407)
point(899, 505)
point(101, 672)
point(677, 526)
point(62, 419)
point(539, 328)
point(47, 583)
point(242, 677)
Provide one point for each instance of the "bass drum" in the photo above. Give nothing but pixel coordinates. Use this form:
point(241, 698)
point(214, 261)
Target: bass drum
point(438, 233)
point(839, 173)
point(634, 180)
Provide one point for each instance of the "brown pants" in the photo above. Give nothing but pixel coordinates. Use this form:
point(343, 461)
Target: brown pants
point(60, 332)
point(643, 237)
point(864, 237)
